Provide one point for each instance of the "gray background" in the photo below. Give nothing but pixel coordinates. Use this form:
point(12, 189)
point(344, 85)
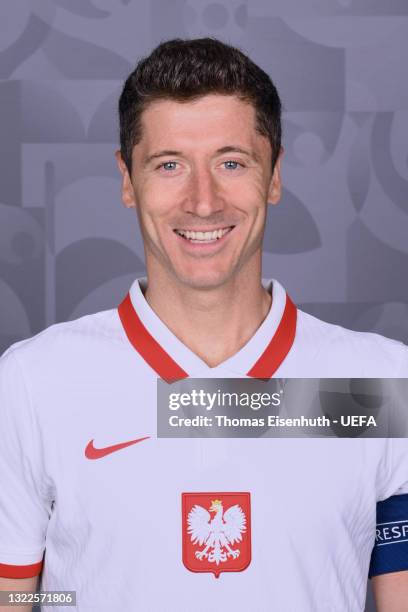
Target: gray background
point(338, 240)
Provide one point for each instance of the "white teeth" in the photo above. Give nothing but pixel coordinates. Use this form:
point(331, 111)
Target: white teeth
point(197, 237)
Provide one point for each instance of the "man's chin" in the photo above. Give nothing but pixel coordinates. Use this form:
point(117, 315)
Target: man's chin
point(204, 282)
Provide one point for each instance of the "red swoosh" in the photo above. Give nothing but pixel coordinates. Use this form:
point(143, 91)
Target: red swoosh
point(96, 453)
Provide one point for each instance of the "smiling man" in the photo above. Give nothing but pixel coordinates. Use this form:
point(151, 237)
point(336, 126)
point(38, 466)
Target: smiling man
point(90, 495)
point(202, 212)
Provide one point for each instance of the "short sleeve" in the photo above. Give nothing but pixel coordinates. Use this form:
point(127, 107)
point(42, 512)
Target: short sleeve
point(396, 464)
point(25, 503)
point(390, 552)
point(395, 479)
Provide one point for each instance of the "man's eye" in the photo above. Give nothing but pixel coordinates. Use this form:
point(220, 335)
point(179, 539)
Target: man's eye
point(231, 164)
point(168, 165)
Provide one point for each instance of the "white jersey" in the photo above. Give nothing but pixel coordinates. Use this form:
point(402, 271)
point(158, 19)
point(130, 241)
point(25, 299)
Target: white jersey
point(93, 497)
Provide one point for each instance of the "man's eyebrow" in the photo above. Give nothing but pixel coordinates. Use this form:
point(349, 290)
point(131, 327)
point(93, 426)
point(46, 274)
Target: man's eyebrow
point(226, 149)
point(163, 153)
point(238, 149)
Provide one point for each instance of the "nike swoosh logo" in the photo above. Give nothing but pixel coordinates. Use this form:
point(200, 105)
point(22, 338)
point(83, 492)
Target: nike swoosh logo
point(96, 453)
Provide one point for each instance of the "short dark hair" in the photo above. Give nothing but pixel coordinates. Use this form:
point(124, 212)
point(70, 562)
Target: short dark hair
point(187, 69)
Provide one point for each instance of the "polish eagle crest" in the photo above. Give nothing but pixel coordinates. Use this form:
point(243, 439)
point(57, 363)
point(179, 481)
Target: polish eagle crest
point(216, 534)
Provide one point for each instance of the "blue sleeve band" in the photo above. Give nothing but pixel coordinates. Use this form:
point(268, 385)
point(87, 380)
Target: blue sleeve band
point(390, 552)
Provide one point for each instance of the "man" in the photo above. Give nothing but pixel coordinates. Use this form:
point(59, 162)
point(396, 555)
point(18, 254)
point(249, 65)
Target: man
point(91, 496)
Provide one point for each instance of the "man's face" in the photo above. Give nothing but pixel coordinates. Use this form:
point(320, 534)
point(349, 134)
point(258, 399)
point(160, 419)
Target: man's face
point(201, 178)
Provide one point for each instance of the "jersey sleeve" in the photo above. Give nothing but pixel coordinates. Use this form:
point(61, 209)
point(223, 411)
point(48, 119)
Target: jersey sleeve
point(25, 502)
point(395, 472)
point(390, 552)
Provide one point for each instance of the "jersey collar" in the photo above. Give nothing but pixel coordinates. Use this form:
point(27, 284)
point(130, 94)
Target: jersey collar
point(261, 356)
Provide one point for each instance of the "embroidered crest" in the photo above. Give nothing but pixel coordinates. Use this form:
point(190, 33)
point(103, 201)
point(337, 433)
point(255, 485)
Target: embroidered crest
point(216, 532)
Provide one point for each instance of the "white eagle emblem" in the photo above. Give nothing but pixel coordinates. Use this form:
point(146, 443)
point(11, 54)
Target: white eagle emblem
point(217, 534)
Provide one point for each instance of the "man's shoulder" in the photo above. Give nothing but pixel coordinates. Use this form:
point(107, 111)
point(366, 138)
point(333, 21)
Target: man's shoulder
point(342, 349)
point(69, 337)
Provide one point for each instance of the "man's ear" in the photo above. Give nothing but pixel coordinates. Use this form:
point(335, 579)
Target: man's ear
point(275, 186)
point(128, 193)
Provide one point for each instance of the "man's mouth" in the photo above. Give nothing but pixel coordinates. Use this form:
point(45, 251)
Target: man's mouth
point(200, 237)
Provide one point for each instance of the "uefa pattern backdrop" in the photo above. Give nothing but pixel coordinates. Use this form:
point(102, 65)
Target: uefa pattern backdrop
point(338, 241)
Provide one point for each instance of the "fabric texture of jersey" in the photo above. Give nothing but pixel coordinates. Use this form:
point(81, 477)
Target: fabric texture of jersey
point(110, 526)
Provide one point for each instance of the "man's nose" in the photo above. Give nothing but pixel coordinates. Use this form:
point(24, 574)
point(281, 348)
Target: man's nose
point(203, 197)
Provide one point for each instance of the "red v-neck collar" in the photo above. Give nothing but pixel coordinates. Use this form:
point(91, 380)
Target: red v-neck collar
point(146, 345)
point(169, 370)
point(279, 346)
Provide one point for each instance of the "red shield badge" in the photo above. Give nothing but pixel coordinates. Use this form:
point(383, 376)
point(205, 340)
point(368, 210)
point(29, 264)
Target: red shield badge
point(216, 532)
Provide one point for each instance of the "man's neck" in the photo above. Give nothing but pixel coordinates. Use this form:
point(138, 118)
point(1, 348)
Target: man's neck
point(215, 324)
